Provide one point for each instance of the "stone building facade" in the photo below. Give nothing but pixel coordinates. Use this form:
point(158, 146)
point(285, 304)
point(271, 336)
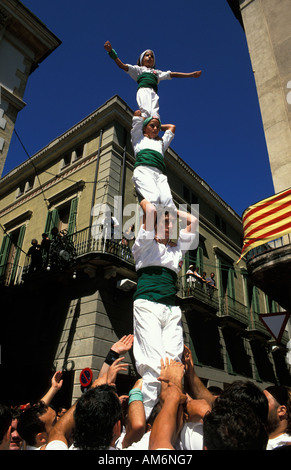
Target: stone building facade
point(24, 43)
point(68, 317)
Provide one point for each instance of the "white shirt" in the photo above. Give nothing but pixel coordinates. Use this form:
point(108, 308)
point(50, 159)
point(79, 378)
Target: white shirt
point(191, 436)
point(278, 441)
point(147, 252)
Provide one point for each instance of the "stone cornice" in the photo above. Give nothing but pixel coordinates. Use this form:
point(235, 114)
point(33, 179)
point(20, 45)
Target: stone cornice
point(34, 33)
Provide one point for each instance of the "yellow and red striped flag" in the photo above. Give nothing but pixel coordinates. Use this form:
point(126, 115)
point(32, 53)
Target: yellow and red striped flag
point(266, 220)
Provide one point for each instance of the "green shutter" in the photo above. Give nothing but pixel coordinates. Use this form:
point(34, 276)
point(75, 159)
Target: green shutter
point(55, 219)
point(4, 252)
point(73, 216)
point(52, 220)
point(48, 221)
point(17, 254)
point(199, 259)
point(255, 300)
point(230, 284)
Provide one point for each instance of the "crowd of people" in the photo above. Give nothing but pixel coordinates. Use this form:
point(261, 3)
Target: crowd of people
point(188, 416)
point(195, 279)
point(169, 407)
point(38, 253)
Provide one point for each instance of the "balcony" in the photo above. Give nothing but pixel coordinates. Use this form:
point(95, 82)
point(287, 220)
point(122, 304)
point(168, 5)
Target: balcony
point(71, 257)
point(267, 246)
point(269, 267)
point(205, 300)
point(233, 313)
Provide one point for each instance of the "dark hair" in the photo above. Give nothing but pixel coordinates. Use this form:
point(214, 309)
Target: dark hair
point(234, 429)
point(30, 424)
point(246, 392)
point(95, 415)
point(5, 420)
point(282, 395)
point(214, 390)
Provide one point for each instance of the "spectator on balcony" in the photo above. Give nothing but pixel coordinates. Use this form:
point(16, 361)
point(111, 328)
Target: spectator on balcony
point(157, 319)
point(211, 285)
point(45, 248)
point(35, 257)
point(197, 276)
point(125, 251)
point(130, 235)
point(279, 417)
point(203, 278)
point(190, 279)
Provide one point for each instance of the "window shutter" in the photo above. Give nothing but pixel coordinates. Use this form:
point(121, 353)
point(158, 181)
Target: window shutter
point(17, 254)
point(73, 216)
point(4, 252)
point(52, 220)
point(199, 259)
point(230, 284)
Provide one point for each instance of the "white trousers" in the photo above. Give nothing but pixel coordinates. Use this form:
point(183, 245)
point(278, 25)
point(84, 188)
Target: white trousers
point(153, 185)
point(148, 102)
point(158, 334)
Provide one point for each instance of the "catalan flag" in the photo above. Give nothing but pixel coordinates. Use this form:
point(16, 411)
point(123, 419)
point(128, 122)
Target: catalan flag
point(266, 220)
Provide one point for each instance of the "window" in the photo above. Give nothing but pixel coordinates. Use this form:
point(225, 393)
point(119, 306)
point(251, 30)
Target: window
point(227, 277)
point(9, 255)
point(29, 183)
point(63, 217)
point(25, 186)
point(78, 152)
point(20, 189)
point(189, 197)
point(220, 223)
point(66, 160)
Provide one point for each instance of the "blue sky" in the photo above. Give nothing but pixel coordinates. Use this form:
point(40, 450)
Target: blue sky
point(219, 130)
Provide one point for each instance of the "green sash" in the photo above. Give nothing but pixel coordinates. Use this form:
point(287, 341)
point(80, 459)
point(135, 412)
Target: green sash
point(148, 80)
point(148, 157)
point(157, 284)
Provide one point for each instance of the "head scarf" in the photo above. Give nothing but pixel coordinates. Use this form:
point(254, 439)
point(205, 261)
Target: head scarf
point(147, 120)
point(142, 55)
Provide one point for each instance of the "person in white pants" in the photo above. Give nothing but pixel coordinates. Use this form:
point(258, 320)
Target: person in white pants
point(149, 175)
point(158, 329)
point(148, 78)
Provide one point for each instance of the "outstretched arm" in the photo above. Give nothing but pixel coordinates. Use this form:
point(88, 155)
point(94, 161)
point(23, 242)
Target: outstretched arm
point(122, 346)
point(186, 75)
point(64, 427)
point(113, 55)
point(197, 388)
point(56, 385)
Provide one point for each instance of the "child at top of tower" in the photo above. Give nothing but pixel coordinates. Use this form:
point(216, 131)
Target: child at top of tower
point(148, 78)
